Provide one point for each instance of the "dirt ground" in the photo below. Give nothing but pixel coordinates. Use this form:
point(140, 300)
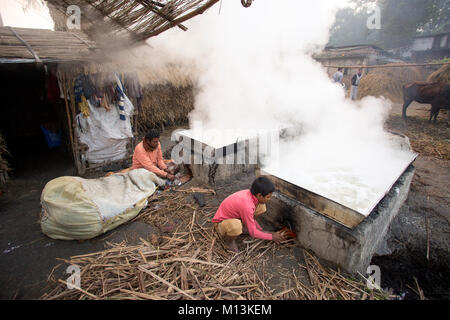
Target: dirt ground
point(27, 256)
point(418, 239)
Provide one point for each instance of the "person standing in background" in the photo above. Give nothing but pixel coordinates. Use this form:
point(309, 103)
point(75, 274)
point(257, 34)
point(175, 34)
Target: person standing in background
point(355, 83)
point(338, 75)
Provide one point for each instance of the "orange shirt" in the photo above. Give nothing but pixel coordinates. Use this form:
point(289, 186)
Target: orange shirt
point(150, 160)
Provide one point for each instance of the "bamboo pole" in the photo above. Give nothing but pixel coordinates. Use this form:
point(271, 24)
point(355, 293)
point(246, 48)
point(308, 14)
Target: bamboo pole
point(69, 121)
point(181, 19)
point(166, 282)
point(390, 65)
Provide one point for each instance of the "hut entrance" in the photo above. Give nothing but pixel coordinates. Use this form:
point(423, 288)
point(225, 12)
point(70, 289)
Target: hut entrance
point(33, 120)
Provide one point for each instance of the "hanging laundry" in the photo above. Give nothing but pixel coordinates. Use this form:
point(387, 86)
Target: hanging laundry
point(84, 107)
point(83, 87)
point(88, 87)
point(105, 102)
point(78, 88)
point(134, 88)
point(121, 97)
point(95, 100)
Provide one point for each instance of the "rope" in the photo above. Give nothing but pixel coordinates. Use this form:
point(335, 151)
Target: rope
point(392, 65)
point(36, 57)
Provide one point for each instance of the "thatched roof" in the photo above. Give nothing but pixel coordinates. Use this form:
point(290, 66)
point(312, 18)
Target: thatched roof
point(138, 19)
point(347, 52)
point(23, 44)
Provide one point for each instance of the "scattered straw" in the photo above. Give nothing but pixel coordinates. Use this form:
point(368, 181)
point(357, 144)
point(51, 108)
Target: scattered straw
point(191, 262)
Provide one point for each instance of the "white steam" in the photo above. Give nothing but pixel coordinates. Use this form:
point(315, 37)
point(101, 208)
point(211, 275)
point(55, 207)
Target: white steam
point(254, 70)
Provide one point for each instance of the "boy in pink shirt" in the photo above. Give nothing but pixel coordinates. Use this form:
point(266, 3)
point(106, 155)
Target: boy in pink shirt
point(148, 155)
point(240, 209)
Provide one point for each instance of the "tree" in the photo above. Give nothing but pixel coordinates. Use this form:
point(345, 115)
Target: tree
point(438, 17)
point(347, 29)
point(401, 21)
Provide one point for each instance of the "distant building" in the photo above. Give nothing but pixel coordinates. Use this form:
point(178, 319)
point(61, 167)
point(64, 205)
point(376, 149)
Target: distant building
point(357, 55)
point(431, 47)
point(425, 48)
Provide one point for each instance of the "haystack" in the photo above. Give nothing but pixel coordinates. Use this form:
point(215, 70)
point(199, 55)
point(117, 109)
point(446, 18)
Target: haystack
point(3, 163)
point(388, 81)
point(165, 104)
point(168, 97)
point(441, 75)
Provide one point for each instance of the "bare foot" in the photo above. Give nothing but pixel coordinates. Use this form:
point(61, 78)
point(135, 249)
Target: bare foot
point(232, 246)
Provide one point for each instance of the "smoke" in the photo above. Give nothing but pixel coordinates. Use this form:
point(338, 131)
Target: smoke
point(254, 70)
point(252, 62)
point(26, 14)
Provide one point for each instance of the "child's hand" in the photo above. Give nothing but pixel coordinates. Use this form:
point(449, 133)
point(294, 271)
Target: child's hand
point(278, 237)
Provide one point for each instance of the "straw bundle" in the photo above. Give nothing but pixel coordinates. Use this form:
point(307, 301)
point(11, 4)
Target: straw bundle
point(165, 104)
point(3, 163)
point(388, 82)
point(192, 263)
point(441, 75)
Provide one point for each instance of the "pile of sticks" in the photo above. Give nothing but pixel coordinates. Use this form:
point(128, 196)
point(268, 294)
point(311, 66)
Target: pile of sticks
point(188, 265)
point(328, 284)
point(192, 263)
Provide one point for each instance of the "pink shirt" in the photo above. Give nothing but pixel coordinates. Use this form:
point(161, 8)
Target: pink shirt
point(241, 205)
point(150, 160)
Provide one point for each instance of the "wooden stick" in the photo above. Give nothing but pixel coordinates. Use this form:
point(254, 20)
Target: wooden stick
point(79, 289)
point(165, 282)
point(143, 295)
point(390, 66)
point(198, 282)
point(218, 286)
point(181, 19)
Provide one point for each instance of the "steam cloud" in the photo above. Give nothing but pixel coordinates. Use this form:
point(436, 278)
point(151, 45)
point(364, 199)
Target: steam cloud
point(253, 70)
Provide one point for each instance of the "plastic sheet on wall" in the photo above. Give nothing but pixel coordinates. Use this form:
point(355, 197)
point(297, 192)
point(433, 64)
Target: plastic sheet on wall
point(104, 132)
